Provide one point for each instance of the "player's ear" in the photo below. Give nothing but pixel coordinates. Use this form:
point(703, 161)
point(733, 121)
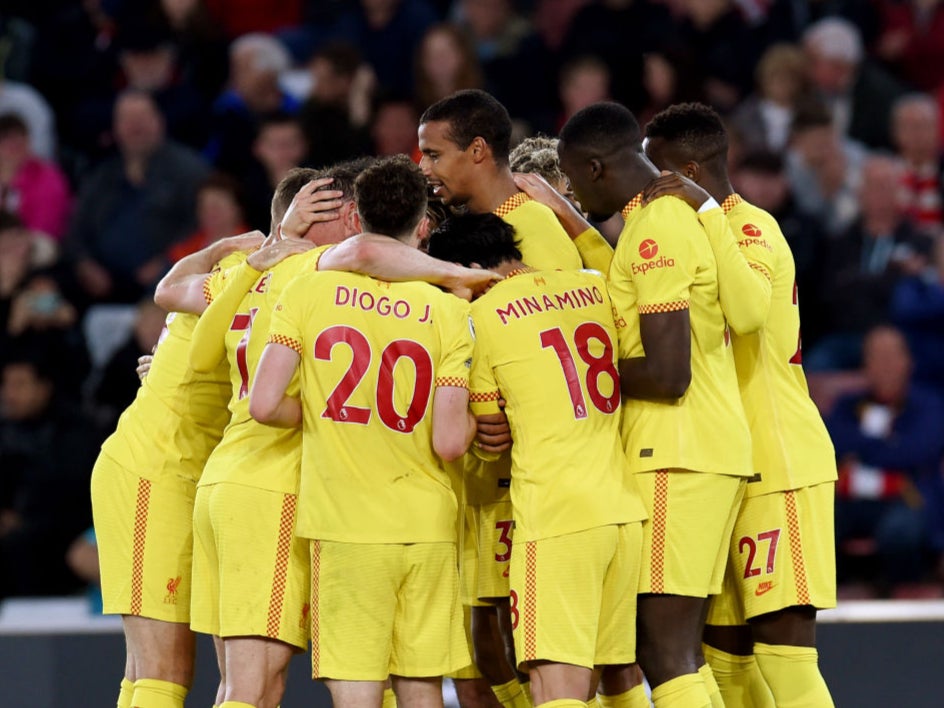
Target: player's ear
point(478, 149)
point(422, 229)
point(596, 169)
point(692, 170)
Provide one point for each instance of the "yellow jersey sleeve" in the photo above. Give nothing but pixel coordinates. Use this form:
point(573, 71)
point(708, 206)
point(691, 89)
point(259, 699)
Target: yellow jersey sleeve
point(458, 344)
point(595, 251)
point(543, 243)
point(208, 348)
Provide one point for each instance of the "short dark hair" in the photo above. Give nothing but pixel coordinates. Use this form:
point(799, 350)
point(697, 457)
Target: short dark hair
point(601, 128)
point(391, 196)
point(693, 129)
point(474, 238)
point(471, 114)
point(345, 58)
point(810, 113)
point(12, 124)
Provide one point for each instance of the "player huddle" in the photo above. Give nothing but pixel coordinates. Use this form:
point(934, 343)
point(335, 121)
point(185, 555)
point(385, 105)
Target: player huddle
point(542, 494)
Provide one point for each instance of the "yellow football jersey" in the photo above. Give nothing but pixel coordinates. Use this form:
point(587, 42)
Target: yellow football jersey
point(372, 355)
point(546, 342)
point(250, 453)
point(541, 239)
point(792, 448)
point(664, 263)
point(177, 416)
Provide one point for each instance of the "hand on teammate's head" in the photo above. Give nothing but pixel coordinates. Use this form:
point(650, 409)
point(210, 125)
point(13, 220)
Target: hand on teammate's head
point(676, 185)
point(311, 205)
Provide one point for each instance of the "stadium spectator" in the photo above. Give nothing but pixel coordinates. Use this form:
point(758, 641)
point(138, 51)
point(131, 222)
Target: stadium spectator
point(393, 127)
point(888, 444)
point(864, 263)
point(255, 63)
point(29, 104)
point(824, 168)
point(220, 213)
point(279, 146)
point(34, 189)
point(446, 62)
point(763, 119)
point(915, 119)
point(335, 115)
point(46, 452)
point(132, 207)
point(583, 81)
point(858, 93)
point(911, 41)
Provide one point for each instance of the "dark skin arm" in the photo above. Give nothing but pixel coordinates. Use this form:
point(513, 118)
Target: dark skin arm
point(494, 433)
point(666, 370)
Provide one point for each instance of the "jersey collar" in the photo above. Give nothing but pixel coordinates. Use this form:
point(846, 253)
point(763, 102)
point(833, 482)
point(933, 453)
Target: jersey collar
point(510, 204)
point(633, 203)
point(731, 201)
point(520, 271)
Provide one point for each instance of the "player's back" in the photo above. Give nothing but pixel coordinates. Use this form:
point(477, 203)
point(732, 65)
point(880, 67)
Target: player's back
point(663, 263)
point(791, 445)
point(251, 453)
point(547, 342)
point(373, 354)
point(541, 239)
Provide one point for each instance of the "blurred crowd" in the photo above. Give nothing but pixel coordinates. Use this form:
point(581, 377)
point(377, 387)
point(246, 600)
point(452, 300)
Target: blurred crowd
point(134, 132)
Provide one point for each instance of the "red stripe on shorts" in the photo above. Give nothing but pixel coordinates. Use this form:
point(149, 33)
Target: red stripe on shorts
point(659, 504)
point(315, 609)
point(137, 548)
point(530, 600)
point(796, 550)
point(282, 554)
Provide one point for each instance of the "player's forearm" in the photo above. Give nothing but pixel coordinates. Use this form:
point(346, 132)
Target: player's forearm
point(388, 259)
point(743, 290)
point(639, 379)
point(207, 347)
point(452, 442)
point(285, 413)
point(179, 289)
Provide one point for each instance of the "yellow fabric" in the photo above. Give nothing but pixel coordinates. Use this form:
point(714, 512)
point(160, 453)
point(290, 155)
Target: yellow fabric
point(144, 532)
point(236, 704)
point(226, 288)
point(793, 676)
point(276, 456)
point(663, 263)
point(595, 251)
point(389, 699)
point(593, 703)
point(633, 698)
point(125, 693)
point(470, 670)
point(526, 692)
point(739, 679)
point(573, 596)
point(687, 691)
point(251, 570)
point(541, 239)
point(496, 535)
point(782, 554)
point(512, 695)
point(151, 693)
point(563, 703)
point(685, 549)
point(711, 686)
point(546, 343)
point(373, 452)
point(413, 625)
point(792, 448)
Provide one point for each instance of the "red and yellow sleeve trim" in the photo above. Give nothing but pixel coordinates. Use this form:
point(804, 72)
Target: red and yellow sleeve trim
point(676, 306)
point(633, 204)
point(293, 344)
point(454, 381)
point(510, 204)
point(479, 397)
point(207, 293)
point(731, 201)
point(761, 269)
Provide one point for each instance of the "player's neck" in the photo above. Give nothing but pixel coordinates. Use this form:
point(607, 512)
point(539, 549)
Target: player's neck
point(720, 189)
point(505, 268)
point(497, 187)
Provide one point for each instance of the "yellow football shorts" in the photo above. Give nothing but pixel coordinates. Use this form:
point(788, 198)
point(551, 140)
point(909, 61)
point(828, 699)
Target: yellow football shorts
point(495, 538)
point(470, 671)
point(144, 531)
point(685, 539)
point(250, 568)
point(381, 609)
point(573, 597)
point(782, 554)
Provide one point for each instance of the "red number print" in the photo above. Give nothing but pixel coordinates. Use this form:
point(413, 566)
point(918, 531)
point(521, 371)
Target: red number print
point(504, 539)
point(797, 357)
point(513, 609)
point(597, 366)
point(423, 366)
point(242, 322)
point(336, 407)
point(554, 338)
point(773, 538)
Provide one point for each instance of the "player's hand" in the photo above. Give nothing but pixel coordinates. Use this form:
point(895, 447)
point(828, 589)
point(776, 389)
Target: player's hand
point(540, 190)
point(265, 258)
point(248, 241)
point(144, 366)
point(310, 206)
point(472, 282)
point(676, 185)
point(493, 432)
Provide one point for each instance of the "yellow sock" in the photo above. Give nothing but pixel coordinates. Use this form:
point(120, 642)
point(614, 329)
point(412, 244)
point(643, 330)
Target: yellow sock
point(593, 703)
point(686, 691)
point(125, 693)
point(739, 678)
point(633, 698)
point(563, 703)
point(389, 699)
point(152, 693)
point(711, 686)
point(526, 692)
point(512, 695)
point(793, 676)
point(235, 704)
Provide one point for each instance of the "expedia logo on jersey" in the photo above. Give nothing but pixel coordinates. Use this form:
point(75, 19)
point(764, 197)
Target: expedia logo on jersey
point(649, 249)
point(753, 234)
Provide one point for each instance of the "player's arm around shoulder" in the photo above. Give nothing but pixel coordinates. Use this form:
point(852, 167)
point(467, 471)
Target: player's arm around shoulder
point(453, 422)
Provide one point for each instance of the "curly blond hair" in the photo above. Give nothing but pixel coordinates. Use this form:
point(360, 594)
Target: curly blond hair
point(538, 154)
